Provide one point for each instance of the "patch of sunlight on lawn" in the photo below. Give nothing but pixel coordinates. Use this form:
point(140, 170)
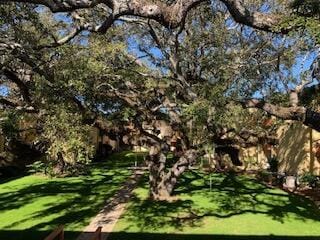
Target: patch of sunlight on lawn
point(31, 206)
point(236, 205)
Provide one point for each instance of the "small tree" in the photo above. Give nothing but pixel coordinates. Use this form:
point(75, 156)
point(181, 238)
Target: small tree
point(69, 141)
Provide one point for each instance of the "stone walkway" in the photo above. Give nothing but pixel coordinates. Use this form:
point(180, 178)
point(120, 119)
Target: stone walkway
point(109, 215)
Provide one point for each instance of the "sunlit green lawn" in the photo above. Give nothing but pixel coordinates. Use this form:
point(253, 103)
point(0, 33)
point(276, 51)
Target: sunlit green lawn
point(31, 205)
point(236, 205)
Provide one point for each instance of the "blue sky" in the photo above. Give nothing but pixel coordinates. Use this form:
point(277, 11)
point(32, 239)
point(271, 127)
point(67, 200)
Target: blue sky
point(302, 64)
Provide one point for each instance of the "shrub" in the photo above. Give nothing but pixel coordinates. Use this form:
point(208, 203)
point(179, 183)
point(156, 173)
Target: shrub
point(49, 168)
point(310, 179)
point(37, 167)
point(264, 176)
point(69, 145)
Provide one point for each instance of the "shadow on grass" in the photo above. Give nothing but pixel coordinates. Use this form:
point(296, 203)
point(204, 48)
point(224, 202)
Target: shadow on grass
point(43, 203)
point(9, 179)
point(155, 236)
point(10, 173)
point(40, 235)
point(128, 159)
point(33, 234)
point(230, 195)
point(81, 202)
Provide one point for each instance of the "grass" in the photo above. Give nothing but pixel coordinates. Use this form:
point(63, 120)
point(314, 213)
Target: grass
point(31, 206)
point(237, 207)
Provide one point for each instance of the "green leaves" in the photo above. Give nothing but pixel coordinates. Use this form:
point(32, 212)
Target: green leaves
point(305, 17)
point(67, 136)
point(9, 124)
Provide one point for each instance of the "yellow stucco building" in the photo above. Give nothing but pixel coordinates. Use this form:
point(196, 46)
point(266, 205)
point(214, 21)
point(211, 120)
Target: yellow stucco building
point(298, 151)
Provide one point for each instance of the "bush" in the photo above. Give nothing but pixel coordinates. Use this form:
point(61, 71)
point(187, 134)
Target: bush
point(37, 167)
point(49, 168)
point(69, 145)
point(265, 176)
point(274, 179)
point(310, 180)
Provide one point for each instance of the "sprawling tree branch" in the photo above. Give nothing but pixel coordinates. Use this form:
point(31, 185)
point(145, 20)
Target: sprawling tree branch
point(169, 15)
point(302, 114)
point(6, 103)
point(24, 90)
point(286, 113)
point(64, 5)
point(258, 20)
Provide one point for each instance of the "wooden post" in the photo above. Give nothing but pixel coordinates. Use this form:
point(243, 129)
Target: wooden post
point(61, 235)
point(97, 235)
point(58, 232)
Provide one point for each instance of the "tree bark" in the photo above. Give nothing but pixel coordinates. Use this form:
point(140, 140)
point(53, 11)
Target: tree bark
point(259, 20)
point(301, 114)
point(157, 163)
point(162, 183)
point(169, 15)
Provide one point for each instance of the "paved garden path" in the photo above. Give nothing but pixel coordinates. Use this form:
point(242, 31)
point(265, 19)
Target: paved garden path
point(109, 215)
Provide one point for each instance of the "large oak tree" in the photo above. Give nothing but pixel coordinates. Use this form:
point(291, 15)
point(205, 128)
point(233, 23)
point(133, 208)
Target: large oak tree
point(191, 58)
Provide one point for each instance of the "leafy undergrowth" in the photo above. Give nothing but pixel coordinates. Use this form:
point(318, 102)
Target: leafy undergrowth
point(236, 207)
point(32, 206)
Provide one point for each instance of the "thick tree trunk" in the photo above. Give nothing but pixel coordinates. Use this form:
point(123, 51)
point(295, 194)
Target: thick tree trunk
point(157, 163)
point(60, 165)
point(162, 183)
